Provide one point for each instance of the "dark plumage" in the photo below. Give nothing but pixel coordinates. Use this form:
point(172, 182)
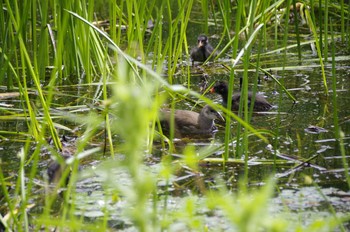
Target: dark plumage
point(55, 168)
point(202, 51)
point(55, 171)
point(190, 124)
point(260, 104)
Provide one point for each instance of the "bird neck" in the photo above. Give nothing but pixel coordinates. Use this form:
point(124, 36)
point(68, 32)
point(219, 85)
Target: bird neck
point(204, 122)
point(202, 49)
point(224, 95)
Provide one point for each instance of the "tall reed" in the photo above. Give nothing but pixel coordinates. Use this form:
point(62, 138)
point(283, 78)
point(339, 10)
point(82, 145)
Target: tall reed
point(339, 134)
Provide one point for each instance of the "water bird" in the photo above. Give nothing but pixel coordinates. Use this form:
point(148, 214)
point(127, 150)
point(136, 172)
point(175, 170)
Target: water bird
point(202, 51)
point(260, 104)
point(189, 123)
point(55, 170)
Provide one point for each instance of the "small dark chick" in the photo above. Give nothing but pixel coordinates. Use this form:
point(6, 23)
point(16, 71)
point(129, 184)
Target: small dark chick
point(202, 51)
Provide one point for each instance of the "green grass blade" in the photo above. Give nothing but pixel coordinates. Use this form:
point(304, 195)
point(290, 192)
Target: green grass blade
point(318, 46)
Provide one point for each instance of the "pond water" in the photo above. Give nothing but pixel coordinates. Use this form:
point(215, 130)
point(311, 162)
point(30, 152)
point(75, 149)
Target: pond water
point(304, 130)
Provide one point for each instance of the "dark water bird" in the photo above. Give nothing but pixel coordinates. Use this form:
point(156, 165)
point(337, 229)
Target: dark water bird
point(55, 170)
point(190, 124)
point(202, 51)
point(260, 104)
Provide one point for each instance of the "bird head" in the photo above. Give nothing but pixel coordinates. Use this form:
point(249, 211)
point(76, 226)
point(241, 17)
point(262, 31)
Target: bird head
point(202, 41)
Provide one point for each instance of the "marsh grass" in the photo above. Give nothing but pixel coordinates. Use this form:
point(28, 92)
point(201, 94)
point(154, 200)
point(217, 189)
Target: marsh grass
point(37, 35)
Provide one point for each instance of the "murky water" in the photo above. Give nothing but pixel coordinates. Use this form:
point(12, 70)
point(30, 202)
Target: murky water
point(294, 123)
point(303, 130)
